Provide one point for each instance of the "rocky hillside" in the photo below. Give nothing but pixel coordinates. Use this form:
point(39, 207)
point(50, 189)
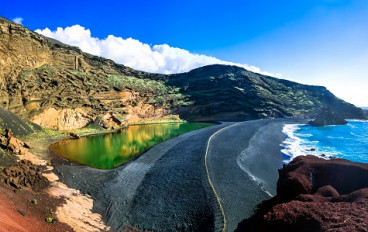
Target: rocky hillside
point(59, 86)
point(230, 92)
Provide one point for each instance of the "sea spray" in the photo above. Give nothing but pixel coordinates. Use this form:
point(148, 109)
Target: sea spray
point(348, 141)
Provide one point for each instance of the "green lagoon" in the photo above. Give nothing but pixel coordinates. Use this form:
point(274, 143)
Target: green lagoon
point(108, 151)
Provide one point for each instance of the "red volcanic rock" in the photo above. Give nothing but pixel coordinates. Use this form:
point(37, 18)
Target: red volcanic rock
point(24, 174)
point(314, 195)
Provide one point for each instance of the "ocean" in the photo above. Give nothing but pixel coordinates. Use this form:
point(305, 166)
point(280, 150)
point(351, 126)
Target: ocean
point(345, 141)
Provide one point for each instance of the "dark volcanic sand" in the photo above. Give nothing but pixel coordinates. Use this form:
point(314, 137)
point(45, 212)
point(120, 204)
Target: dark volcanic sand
point(243, 162)
point(166, 188)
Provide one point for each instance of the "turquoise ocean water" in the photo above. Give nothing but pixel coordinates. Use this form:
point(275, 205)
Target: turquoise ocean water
point(347, 141)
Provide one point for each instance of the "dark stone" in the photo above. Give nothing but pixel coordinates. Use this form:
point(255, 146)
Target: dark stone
point(21, 212)
point(74, 135)
point(328, 117)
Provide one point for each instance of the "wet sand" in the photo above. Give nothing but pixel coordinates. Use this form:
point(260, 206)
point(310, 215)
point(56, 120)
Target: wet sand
point(243, 161)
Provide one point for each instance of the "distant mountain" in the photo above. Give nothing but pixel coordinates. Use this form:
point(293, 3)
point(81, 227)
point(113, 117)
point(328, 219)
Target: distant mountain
point(59, 86)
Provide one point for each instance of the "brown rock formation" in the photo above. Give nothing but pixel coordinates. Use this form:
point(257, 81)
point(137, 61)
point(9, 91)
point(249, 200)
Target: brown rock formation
point(60, 87)
point(62, 119)
point(24, 174)
point(314, 194)
point(12, 144)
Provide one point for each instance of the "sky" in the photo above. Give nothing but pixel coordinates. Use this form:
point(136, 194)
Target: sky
point(317, 42)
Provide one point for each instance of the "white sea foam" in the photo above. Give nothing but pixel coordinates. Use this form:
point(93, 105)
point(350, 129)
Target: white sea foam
point(292, 144)
point(295, 145)
point(356, 120)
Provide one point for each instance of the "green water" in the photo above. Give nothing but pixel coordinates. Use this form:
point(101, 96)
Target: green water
point(107, 151)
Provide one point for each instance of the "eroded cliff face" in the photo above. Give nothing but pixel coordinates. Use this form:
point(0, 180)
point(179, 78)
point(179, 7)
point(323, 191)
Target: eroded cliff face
point(62, 119)
point(58, 86)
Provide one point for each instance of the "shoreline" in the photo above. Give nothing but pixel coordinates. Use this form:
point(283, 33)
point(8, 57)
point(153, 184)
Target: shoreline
point(243, 164)
point(326, 142)
point(58, 156)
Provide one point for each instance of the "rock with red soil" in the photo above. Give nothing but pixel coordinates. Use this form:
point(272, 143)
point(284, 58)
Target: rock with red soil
point(314, 195)
point(24, 174)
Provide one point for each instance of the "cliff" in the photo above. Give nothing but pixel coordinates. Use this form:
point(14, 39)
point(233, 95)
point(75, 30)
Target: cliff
point(59, 86)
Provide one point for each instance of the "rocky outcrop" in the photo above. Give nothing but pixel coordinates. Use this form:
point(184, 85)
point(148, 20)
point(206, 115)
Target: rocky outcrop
point(112, 120)
point(314, 195)
point(62, 119)
point(24, 175)
point(40, 77)
point(328, 117)
point(12, 144)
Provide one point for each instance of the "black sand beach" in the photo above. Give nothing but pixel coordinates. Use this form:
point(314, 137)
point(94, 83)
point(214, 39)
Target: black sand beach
point(167, 188)
point(243, 161)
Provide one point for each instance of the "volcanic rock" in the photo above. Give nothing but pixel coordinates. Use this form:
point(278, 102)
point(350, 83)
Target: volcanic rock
point(314, 195)
point(24, 174)
point(328, 117)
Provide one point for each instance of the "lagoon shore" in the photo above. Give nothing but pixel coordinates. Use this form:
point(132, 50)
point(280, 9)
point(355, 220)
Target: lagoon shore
point(167, 187)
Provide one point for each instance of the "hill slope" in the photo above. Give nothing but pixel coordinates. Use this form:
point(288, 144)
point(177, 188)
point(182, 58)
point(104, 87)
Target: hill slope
point(230, 92)
point(61, 87)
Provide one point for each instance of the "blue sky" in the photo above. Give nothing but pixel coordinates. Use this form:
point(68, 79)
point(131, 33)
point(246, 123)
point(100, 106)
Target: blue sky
point(321, 42)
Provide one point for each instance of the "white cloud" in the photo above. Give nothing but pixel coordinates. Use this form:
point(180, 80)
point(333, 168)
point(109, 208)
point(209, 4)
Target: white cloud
point(18, 20)
point(135, 54)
